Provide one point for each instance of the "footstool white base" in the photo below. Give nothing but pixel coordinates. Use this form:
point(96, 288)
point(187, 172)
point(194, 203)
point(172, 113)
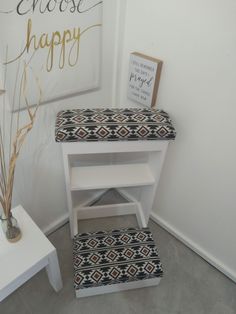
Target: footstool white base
point(117, 287)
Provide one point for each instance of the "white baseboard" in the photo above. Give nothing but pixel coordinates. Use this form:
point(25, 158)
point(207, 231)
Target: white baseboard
point(194, 246)
point(56, 224)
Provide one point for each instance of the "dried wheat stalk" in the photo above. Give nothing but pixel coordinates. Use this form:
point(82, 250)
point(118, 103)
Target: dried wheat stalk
point(7, 167)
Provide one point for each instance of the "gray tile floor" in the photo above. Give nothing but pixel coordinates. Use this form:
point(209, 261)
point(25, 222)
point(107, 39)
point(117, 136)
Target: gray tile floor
point(190, 285)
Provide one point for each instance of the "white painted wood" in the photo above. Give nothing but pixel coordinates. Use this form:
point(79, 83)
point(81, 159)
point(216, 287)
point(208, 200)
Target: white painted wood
point(140, 216)
point(21, 260)
point(72, 213)
point(117, 287)
point(112, 173)
point(156, 160)
point(53, 271)
point(106, 210)
point(122, 210)
point(139, 210)
point(80, 148)
point(91, 200)
point(110, 176)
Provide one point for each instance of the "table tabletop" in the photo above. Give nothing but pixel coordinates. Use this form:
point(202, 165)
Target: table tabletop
point(30, 250)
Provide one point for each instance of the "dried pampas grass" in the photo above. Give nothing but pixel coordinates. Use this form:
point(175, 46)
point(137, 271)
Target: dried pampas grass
point(11, 142)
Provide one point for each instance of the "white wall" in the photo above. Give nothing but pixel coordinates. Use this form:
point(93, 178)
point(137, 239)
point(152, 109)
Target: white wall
point(39, 184)
point(196, 196)
point(196, 40)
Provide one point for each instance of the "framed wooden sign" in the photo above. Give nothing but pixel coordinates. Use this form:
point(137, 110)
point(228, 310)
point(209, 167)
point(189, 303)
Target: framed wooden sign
point(144, 78)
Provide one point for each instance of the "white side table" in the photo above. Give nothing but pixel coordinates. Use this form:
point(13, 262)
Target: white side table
point(21, 260)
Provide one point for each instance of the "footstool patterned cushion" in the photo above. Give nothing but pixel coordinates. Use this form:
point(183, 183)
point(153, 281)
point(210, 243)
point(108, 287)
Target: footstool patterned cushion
point(113, 125)
point(118, 256)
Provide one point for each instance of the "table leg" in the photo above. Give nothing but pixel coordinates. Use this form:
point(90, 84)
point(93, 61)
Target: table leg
point(53, 271)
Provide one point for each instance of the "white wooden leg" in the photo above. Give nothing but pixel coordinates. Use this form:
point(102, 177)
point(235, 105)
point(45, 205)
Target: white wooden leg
point(139, 210)
point(140, 216)
point(73, 222)
point(72, 213)
point(53, 271)
point(156, 160)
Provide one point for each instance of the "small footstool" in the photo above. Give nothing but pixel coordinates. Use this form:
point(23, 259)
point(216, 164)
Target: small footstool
point(112, 261)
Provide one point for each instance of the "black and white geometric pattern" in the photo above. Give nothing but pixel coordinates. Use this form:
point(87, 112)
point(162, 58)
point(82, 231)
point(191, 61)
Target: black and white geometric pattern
point(117, 256)
point(113, 125)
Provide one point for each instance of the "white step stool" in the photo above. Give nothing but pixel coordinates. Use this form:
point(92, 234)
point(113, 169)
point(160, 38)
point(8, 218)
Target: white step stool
point(112, 148)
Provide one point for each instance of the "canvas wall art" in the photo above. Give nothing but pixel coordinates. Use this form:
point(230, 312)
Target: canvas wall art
point(59, 40)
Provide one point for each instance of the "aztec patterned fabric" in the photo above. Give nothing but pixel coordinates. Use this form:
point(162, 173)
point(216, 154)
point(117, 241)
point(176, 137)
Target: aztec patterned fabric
point(119, 256)
point(113, 125)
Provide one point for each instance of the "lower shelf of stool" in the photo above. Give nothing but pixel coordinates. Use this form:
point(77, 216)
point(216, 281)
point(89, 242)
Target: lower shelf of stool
point(102, 211)
point(130, 206)
point(117, 287)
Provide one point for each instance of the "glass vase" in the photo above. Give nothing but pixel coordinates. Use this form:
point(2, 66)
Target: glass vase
point(10, 228)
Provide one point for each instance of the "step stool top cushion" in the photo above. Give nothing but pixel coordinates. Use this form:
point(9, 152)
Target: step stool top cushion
point(113, 125)
point(113, 257)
